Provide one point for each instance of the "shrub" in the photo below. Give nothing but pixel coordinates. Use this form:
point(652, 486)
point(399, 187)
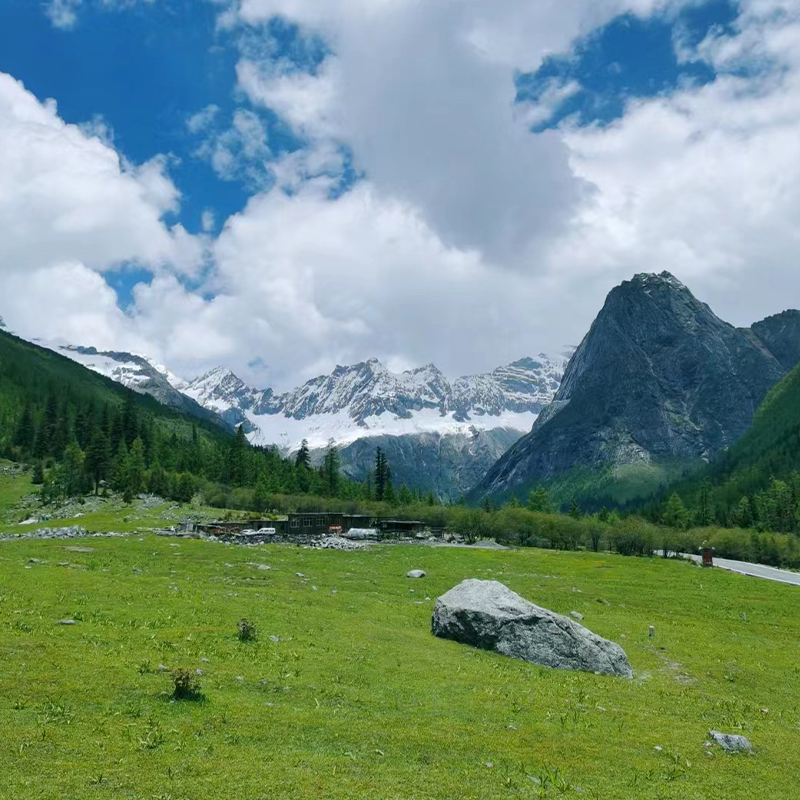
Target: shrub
point(246, 630)
point(187, 687)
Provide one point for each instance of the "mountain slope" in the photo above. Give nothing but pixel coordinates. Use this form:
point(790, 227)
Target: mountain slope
point(30, 373)
point(139, 373)
point(770, 450)
point(658, 379)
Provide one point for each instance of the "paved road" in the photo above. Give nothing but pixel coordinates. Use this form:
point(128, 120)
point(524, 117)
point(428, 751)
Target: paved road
point(755, 570)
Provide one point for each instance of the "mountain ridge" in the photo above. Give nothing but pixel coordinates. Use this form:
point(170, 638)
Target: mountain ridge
point(658, 378)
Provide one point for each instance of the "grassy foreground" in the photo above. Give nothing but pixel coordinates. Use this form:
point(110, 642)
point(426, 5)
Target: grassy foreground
point(358, 700)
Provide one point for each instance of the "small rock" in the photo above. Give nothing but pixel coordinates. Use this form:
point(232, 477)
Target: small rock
point(240, 678)
point(313, 588)
point(658, 748)
point(731, 742)
point(205, 660)
point(274, 638)
point(415, 573)
point(198, 671)
point(34, 561)
point(66, 622)
point(80, 549)
point(299, 574)
point(163, 668)
point(576, 615)
point(511, 727)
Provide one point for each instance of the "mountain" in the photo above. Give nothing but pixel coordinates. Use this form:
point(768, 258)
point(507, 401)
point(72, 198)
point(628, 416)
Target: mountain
point(140, 373)
point(31, 375)
point(436, 434)
point(781, 335)
point(755, 482)
point(658, 382)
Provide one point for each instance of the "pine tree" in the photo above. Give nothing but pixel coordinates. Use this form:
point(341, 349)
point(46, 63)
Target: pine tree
point(236, 458)
point(330, 470)
point(389, 495)
point(261, 494)
point(405, 497)
point(98, 457)
point(381, 475)
point(119, 468)
point(675, 515)
point(25, 434)
point(303, 458)
point(135, 468)
point(130, 420)
point(157, 484)
point(539, 500)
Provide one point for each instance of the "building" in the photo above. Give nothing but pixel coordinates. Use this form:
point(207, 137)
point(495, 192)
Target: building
point(313, 522)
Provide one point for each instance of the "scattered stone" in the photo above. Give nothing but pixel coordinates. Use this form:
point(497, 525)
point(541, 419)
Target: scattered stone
point(274, 638)
point(490, 544)
point(604, 602)
point(576, 615)
point(313, 588)
point(415, 573)
point(80, 549)
point(488, 615)
point(162, 668)
point(257, 565)
point(66, 622)
point(240, 678)
point(731, 742)
point(511, 727)
point(651, 631)
point(34, 561)
point(339, 543)
point(205, 660)
point(658, 748)
point(299, 574)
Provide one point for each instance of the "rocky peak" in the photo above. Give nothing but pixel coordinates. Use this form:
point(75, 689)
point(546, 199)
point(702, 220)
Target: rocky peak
point(780, 333)
point(658, 377)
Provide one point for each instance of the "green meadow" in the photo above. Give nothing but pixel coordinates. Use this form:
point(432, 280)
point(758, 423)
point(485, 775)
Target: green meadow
point(346, 694)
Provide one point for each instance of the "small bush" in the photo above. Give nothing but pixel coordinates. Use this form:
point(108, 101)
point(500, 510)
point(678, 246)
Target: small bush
point(187, 687)
point(246, 631)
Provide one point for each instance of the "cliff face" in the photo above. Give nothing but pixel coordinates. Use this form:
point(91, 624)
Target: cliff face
point(659, 377)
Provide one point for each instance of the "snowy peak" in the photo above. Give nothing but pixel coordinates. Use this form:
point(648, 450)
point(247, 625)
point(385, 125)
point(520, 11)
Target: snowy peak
point(526, 385)
point(140, 373)
point(365, 390)
point(221, 390)
point(130, 369)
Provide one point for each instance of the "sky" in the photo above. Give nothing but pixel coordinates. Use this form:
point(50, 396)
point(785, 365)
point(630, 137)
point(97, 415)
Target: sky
point(281, 186)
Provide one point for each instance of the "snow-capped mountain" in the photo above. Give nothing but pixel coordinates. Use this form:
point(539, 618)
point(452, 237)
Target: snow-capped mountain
point(436, 433)
point(137, 372)
point(367, 399)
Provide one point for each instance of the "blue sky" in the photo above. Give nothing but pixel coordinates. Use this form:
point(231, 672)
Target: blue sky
point(390, 177)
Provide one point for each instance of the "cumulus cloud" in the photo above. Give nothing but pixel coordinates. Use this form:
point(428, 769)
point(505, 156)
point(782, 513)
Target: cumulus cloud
point(705, 182)
point(470, 241)
point(66, 197)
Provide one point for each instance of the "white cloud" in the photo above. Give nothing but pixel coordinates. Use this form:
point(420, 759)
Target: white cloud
point(705, 182)
point(203, 119)
point(66, 197)
point(62, 13)
point(241, 151)
point(471, 241)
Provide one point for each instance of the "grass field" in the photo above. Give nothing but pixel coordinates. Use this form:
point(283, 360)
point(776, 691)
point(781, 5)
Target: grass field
point(356, 699)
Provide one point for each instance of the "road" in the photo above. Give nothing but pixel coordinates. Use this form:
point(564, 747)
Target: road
point(754, 570)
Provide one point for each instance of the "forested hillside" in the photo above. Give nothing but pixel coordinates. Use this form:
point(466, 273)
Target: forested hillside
point(754, 484)
point(84, 432)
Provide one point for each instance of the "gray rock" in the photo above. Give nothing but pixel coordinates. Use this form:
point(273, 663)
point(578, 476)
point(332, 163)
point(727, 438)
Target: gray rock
point(731, 742)
point(415, 573)
point(488, 615)
point(66, 622)
point(576, 615)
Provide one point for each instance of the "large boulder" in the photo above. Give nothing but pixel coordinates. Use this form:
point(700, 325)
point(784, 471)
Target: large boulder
point(489, 615)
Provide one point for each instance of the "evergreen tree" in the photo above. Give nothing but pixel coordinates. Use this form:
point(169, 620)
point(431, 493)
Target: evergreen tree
point(261, 494)
point(539, 500)
point(389, 494)
point(381, 475)
point(25, 434)
point(675, 514)
point(130, 420)
point(303, 458)
point(158, 484)
point(98, 457)
point(330, 470)
point(405, 497)
point(135, 468)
